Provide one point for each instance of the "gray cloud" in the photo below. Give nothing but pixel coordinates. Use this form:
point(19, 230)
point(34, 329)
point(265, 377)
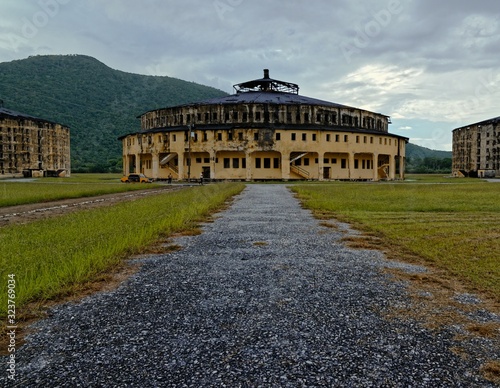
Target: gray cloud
point(417, 60)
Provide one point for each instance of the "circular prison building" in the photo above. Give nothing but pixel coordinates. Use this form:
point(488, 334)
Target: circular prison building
point(265, 131)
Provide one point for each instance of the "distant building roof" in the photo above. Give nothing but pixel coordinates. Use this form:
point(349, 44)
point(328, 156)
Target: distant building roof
point(4, 112)
point(494, 120)
point(266, 91)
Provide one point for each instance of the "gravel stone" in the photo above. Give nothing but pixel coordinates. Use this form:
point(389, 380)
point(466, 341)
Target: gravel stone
point(265, 297)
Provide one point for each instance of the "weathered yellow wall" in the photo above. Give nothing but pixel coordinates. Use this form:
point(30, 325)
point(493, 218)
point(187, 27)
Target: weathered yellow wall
point(363, 154)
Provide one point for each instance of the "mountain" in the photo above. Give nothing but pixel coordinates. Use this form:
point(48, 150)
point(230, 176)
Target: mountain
point(417, 152)
point(424, 160)
point(98, 103)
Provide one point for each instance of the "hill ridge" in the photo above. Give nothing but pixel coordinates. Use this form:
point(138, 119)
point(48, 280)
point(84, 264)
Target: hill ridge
point(99, 103)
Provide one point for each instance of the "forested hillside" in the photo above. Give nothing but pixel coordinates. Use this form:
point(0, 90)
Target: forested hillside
point(96, 102)
point(423, 160)
point(100, 104)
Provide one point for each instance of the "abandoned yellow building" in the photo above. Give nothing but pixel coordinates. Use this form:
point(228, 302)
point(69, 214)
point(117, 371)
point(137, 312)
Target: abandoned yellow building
point(265, 131)
point(33, 146)
point(476, 149)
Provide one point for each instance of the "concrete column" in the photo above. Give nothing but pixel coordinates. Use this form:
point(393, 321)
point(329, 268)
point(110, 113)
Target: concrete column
point(375, 167)
point(285, 166)
point(351, 165)
point(392, 167)
point(155, 165)
point(126, 164)
point(248, 161)
point(321, 166)
point(137, 163)
point(401, 168)
point(213, 156)
point(181, 166)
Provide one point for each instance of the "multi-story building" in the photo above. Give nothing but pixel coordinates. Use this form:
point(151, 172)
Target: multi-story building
point(476, 149)
point(266, 130)
point(33, 146)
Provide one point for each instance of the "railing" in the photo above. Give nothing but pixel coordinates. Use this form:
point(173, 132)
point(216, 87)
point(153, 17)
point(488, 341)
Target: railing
point(173, 168)
point(300, 171)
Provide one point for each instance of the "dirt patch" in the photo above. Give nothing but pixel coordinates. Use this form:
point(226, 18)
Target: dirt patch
point(22, 214)
point(438, 301)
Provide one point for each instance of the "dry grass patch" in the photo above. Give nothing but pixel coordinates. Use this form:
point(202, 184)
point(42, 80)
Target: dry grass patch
point(161, 247)
point(433, 303)
point(491, 370)
point(364, 242)
point(329, 224)
point(489, 329)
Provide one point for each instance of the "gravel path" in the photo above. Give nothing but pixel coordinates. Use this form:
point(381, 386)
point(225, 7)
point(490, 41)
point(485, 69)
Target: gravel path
point(264, 297)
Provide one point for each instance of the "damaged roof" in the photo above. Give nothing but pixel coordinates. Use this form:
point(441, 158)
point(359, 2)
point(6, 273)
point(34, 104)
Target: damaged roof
point(494, 120)
point(4, 112)
point(264, 91)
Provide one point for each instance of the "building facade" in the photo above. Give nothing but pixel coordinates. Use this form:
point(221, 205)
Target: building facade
point(33, 146)
point(265, 131)
point(476, 149)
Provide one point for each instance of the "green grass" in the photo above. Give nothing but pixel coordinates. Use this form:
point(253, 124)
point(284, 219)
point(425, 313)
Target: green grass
point(51, 189)
point(52, 256)
point(453, 226)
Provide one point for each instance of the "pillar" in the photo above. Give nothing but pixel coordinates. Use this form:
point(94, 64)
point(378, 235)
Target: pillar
point(321, 166)
point(401, 168)
point(181, 165)
point(137, 163)
point(248, 161)
point(285, 166)
point(375, 167)
point(392, 167)
point(155, 165)
point(213, 157)
point(351, 165)
point(125, 164)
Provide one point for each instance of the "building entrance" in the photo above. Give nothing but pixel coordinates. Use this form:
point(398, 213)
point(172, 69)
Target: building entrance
point(206, 172)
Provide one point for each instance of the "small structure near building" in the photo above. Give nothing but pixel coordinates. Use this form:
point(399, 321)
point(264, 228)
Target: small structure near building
point(476, 149)
point(265, 131)
point(33, 146)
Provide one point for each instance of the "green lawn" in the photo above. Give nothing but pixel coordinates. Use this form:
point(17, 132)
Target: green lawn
point(454, 225)
point(53, 256)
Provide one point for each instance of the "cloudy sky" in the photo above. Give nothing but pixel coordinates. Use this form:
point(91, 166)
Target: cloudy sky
point(431, 65)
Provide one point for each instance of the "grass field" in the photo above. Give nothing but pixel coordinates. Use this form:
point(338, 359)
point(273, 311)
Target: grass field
point(454, 225)
point(53, 257)
point(50, 189)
